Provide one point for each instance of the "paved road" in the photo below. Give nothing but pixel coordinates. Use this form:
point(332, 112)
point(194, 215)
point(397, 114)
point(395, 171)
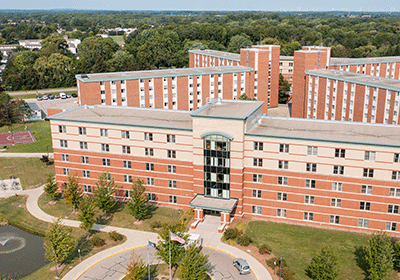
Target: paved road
point(41, 91)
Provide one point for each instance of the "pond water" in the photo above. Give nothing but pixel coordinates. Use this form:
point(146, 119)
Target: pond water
point(21, 252)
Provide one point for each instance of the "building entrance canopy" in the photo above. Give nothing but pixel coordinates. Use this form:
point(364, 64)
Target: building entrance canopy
point(213, 203)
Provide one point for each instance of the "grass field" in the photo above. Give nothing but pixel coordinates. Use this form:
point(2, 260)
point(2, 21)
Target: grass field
point(120, 218)
point(14, 211)
point(117, 38)
point(33, 95)
point(298, 244)
point(31, 171)
point(41, 131)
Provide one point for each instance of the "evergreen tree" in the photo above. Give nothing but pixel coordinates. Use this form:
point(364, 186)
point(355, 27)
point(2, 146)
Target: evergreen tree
point(87, 213)
point(138, 203)
point(284, 89)
point(193, 265)
point(103, 193)
point(325, 266)
point(136, 268)
point(72, 191)
point(379, 256)
point(50, 186)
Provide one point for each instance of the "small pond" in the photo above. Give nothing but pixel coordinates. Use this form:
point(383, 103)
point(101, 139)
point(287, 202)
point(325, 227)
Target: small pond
point(21, 252)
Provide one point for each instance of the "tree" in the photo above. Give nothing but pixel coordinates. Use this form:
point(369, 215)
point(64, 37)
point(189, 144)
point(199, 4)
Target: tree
point(177, 250)
point(86, 213)
point(72, 191)
point(396, 256)
point(289, 48)
point(54, 44)
point(138, 203)
point(379, 256)
point(244, 96)
point(12, 111)
point(284, 89)
point(55, 70)
point(325, 266)
point(136, 268)
point(121, 61)
point(50, 186)
point(238, 42)
point(58, 242)
point(103, 193)
point(193, 265)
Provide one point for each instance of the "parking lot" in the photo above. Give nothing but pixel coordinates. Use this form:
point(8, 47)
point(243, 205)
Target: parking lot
point(68, 103)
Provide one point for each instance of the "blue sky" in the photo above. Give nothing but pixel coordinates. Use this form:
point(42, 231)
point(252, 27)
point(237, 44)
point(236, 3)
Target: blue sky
point(285, 5)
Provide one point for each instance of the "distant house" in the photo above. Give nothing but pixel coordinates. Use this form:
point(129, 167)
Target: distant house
point(31, 44)
point(37, 113)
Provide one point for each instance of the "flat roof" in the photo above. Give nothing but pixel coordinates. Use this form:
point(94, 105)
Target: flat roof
point(228, 109)
point(219, 54)
point(327, 131)
point(213, 203)
point(357, 78)
point(128, 116)
point(286, 57)
point(339, 61)
point(149, 74)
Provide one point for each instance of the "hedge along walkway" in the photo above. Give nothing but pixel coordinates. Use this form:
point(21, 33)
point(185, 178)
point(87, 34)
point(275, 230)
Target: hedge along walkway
point(135, 238)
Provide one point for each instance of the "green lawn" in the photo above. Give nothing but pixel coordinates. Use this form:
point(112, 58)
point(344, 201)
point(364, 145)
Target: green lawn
point(24, 90)
point(14, 211)
point(31, 171)
point(298, 244)
point(120, 218)
point(41, 131)
point(117, 38)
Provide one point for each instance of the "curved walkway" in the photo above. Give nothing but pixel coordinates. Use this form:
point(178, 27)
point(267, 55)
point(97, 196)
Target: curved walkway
point(135, 238)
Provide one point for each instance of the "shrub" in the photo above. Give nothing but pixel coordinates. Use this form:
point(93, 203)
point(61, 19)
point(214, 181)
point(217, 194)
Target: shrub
point(287, 274)
point(185, 219)
point(97, 241)
point(156, 224)
point(264, 249)
point(271, 262)
point(190, 212)
point(232, 233)
point(244, 240)
point(115, 236)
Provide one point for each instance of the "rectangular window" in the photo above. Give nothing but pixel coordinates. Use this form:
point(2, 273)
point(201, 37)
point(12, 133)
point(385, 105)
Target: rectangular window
point(257, 178)
point(85, 159)
point(171, 154)
point(310, 183)
point(63, 144)
point(127, 164)
point(283, 164)
point(395, 175)
point(258, 162)
point(82, 130)
point(170, 138)
point(394, 192)
point(62, 129)
point(312, 151)
point(391, 226)
point(337, 169)
point(340, 153)
point(66, 171)
point(85, 173)
point(126, 149)
point(152, 196)
point(128, 179)
point(309, 199)
point(282, 181)
point(150, 166)
point(396, 158)
point(366, 189)
point(336, 186)
point(150, 181)
point(257, 193)
point(64, 157)
point(258, 146)
point(369, 155)
point(282, 196)
point(124, 134)
point(336, 202)
point(83, 145)
point(311, 167)
point(106, 162)
point(281, 213)
point(171, 184)
point(308, 216)
point(256, 209)
point(104, 132)
point(283, 148)
point(333, 219)
point(148, 136)
point(365, 205)
point(172, 199)
point(105, 147)
point(368, 172)
point(394, 209)
point(87, 189)
point(171, 169)
point(149, 152)
point(363, 223)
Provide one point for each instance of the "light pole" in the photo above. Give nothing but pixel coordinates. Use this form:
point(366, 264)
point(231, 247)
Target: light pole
point(79, 252)
point(55, 263)
point(280, 267)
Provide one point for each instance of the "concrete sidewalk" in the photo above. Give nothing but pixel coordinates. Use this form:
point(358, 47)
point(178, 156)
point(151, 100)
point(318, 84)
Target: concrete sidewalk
point(38, 155)
point(135, 238)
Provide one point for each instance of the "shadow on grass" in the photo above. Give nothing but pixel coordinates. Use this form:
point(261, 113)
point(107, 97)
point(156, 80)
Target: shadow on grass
point(83, 245)
point(359, 255)
point(151, 209)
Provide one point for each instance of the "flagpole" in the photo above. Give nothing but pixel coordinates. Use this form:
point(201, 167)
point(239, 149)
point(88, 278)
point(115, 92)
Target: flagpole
point(170, 278)
point(148, 257)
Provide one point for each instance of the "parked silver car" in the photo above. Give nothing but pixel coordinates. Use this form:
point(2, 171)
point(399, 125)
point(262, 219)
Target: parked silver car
point(242, 266)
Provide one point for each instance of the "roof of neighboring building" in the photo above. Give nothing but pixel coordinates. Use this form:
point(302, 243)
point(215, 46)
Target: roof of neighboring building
point(328, 131)
point(128, 116)
point(338, 61)
point(351, 77)
point(149, 74)
point(228, 109)
point(219, 54)
point(65, 105)
point(286, 57)
point(34, 106)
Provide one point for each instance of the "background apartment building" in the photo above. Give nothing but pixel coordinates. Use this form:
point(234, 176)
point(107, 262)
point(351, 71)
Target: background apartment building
point(227, 157)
